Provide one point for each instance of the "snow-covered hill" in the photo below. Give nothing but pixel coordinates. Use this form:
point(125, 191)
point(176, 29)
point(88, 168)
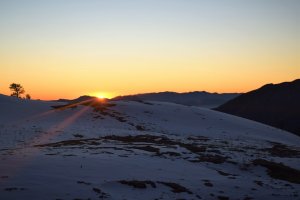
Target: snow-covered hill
point(141, 150)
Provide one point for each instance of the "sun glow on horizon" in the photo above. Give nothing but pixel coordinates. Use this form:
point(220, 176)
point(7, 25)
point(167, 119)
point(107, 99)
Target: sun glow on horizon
point(101, 95)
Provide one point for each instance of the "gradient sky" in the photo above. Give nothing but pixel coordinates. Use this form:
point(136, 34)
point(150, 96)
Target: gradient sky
point(67, 48)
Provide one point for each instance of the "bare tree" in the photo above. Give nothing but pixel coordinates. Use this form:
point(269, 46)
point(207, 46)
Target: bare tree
point(17, 90)
point(28, 96)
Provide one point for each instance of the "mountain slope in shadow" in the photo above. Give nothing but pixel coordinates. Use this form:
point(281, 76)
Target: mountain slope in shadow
point(277, 105)
point(202, 99)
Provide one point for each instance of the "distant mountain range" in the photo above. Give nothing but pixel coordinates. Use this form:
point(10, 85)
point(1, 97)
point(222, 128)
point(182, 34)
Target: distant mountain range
point(202, 99)
point(77, 100)
point(277, 105)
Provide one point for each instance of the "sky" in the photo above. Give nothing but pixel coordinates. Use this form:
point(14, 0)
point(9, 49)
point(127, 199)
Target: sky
point(68, 48)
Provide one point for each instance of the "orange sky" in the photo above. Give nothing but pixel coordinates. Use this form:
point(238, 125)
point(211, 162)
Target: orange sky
point(64, 49)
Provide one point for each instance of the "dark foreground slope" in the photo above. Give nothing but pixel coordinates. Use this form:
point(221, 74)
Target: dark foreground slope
point(202, 99)
point(277, 105)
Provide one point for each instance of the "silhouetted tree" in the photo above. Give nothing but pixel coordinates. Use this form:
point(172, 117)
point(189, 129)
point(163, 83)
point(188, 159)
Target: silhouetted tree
point(17, 89)
point(28, 96)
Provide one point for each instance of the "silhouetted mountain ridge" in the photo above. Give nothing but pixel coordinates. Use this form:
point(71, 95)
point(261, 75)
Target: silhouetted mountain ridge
point(77, 100)
point(196, 98)
point(277, 105)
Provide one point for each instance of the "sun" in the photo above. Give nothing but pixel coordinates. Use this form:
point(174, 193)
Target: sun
point(101, 95)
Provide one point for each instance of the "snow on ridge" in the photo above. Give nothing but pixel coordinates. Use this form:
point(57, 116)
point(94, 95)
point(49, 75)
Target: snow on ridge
point(141, 150)
point(157, 116)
